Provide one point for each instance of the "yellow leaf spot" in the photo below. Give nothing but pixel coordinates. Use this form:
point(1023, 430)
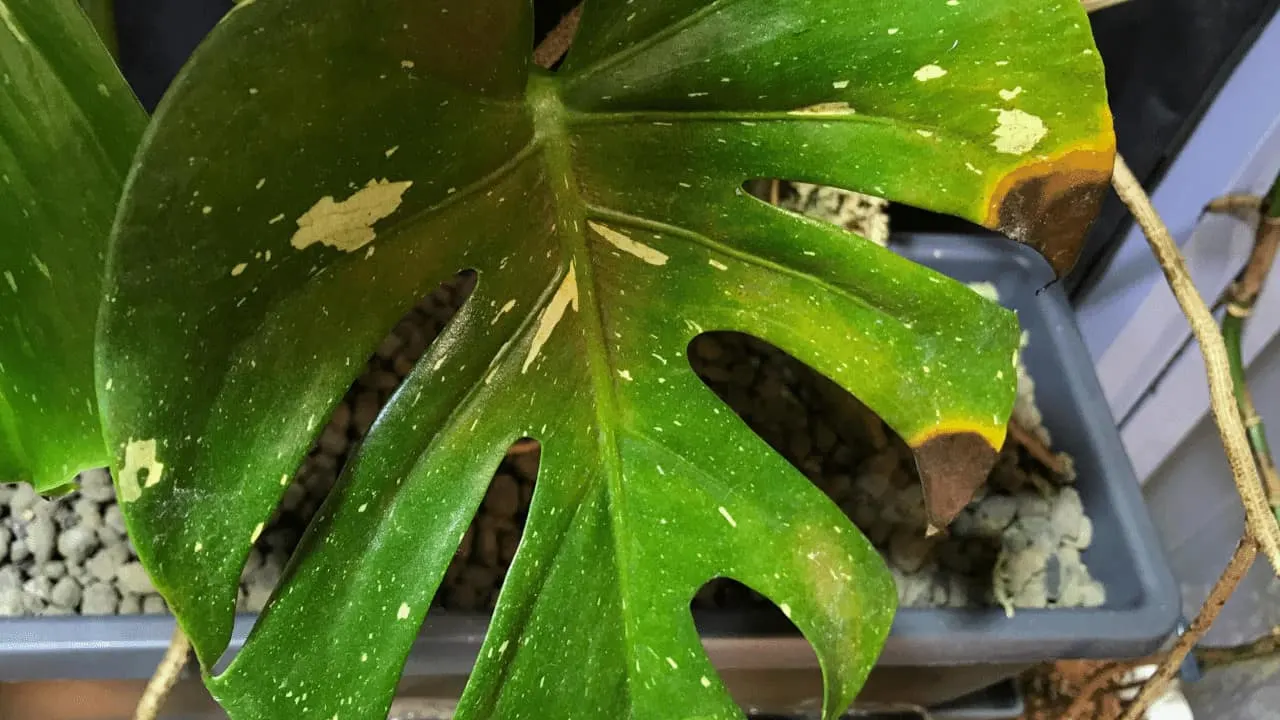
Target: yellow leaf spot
point(1017, 132)
point(624, 243)
point(348, 225)
point(566, 295)
point(139, 455)
point(928, 72)
point(827, 108)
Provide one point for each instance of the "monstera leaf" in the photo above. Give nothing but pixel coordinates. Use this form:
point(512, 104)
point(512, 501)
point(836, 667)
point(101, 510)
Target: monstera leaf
point(319, 167)
point(68, 129)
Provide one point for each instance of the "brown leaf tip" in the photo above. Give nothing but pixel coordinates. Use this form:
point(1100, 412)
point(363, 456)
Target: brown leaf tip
point(1051, 204)
point(952, 467)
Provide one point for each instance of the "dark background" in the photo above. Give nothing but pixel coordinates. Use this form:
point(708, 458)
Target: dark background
point(1165, 61)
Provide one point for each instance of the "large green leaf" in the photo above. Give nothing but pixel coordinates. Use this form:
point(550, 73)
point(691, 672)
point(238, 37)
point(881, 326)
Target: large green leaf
point(318, 167)
point(68, 129)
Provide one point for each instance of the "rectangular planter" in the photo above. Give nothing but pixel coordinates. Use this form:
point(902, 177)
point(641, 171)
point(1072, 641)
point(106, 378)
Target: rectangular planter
point(933, 655)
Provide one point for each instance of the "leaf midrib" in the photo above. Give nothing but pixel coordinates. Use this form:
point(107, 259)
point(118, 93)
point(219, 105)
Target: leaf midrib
point(551, 131)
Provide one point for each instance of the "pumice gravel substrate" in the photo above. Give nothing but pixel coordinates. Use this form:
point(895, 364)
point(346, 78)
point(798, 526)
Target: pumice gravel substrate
point(1018, 545)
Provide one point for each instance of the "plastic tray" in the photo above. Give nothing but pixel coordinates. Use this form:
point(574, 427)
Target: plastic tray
point(931, 656)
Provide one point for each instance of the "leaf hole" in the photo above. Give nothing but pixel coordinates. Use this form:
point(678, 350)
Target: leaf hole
point(866, 215)
point(479, 567)
point(848, 452)
point(352, 419)
point(725, 610)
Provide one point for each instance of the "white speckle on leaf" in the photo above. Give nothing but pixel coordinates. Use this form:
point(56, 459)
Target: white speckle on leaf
point(1017, 132)
point(672, 663)
point(238, 270)
point(925, 133)
point(566, 295)
point(403, 612)
point(44, 269)
point(973, 169)
point(728, 518)
point(363, 507)
point(705, 682)
point(840, 84)
point(717, 265)
point(1010, 94)
point(348, 225)
point(503, 311)
point(198, 546)
point(13, 284)
point(103, 90)
point(257, 531)
point(893, 31)
point(406, 64)
point(625, 375)
point(284, 480)
point(391, 151)
point(276, 219)
point(786, 609)
point(928, 72)
point(206, 209)
point(261, 182)
point(139, 455)
point(503, 647)
point(626, 244)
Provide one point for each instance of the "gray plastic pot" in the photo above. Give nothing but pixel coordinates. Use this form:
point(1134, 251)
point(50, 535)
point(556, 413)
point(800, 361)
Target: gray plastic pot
point(933, 655)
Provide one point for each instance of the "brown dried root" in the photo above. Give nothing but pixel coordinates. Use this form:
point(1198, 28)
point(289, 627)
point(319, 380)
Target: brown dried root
point(165, 677)
point(1035, 448)
point(1258, 515)
point(557, 42)
point(1241, 560)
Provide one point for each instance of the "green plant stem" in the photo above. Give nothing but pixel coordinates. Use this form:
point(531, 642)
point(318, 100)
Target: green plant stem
point(1240, 300)
point(1232, 332)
